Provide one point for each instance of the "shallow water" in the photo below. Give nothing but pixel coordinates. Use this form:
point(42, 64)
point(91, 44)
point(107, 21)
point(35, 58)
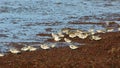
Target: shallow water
point(21, 20)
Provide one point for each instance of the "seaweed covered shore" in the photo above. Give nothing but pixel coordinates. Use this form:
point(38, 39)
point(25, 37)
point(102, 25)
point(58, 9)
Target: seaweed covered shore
point(104, 53)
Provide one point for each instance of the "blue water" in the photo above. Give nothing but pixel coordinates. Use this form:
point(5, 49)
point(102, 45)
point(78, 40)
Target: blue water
point(15, 15)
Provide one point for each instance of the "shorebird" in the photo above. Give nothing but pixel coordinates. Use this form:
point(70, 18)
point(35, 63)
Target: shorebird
point(118, 28)
point(73, 46)
point(26, 48)
point(91, 31)
point(1, 54)
point(96, 38)
point(109, 29)
point(56, 37)
point(72, 35)
point(14, 51)
point(53, 45)
point(44, 46)
point(67, 40)
point(100, 31)
point(31, 48)
point(79, 31)
point(83, 35)
point(65, 30)
point(60, 34)
point(107, 23)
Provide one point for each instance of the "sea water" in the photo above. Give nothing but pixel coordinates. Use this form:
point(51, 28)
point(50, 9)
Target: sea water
point(21, 20)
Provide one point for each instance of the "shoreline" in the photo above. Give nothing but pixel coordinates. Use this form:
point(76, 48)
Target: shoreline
point(104, 53)
point(92, 26)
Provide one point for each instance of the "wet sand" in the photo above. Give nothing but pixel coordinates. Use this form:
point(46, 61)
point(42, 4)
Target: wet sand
point(94, 54)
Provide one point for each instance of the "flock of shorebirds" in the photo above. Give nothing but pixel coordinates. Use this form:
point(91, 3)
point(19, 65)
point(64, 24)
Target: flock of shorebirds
point(28, 48)
point(72, 33)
